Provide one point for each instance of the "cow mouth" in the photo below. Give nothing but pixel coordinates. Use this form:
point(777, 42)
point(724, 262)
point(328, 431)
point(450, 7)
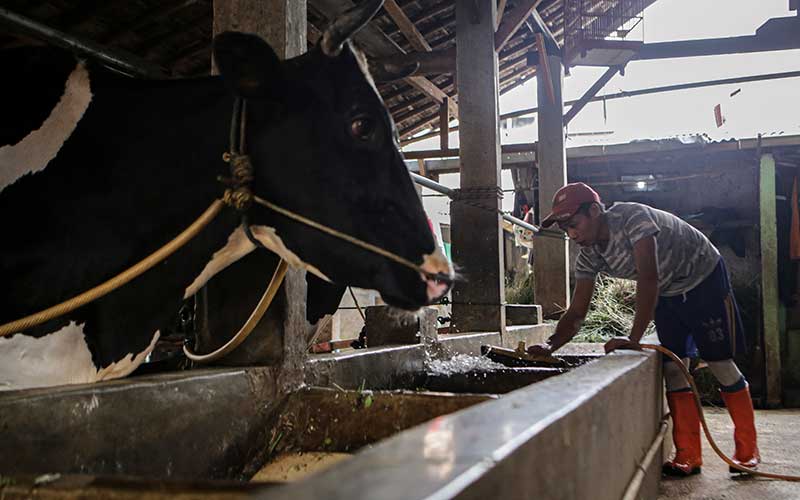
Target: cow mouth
point(437, 286)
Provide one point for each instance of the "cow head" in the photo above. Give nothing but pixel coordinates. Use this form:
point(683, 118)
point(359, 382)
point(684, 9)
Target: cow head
point(324, 146)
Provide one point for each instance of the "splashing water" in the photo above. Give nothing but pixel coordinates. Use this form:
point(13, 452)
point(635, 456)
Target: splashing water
point(461, 363)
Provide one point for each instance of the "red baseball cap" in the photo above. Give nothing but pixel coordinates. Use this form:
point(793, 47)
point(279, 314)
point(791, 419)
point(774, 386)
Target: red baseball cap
point(568, 200)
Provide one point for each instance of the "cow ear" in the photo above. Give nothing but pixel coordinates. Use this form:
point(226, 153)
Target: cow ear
point(248, 65)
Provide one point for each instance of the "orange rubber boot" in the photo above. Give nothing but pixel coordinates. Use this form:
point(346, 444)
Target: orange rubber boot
point(685, 434)
point(740, 407)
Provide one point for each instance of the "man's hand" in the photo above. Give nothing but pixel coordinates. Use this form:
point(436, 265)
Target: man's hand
point(540, 350)
point(621, 343)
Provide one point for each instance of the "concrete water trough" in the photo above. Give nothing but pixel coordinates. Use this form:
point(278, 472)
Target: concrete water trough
point(365, 423)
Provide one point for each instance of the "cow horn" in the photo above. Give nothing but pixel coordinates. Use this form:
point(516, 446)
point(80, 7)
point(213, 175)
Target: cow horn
point(346, 25)
point(389, 72)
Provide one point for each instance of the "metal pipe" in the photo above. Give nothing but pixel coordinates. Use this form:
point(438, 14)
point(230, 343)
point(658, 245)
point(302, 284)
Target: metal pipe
point(125, 63)
point(632, 491)
point(450, 193)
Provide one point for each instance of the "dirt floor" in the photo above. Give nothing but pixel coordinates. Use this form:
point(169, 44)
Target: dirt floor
point(779, 442)
point(290, 467)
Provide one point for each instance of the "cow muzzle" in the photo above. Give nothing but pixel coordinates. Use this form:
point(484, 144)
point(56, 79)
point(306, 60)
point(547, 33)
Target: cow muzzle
point(438, 276)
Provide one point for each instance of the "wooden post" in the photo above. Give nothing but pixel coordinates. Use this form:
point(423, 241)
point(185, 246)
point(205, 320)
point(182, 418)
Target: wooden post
point(769, 281)
point(551, 256)
point(280, 337)
point(476, 232)
point(282, 23)
point(444, 126)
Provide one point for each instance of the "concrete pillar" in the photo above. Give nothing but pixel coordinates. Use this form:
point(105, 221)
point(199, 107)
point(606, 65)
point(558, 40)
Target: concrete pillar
point(280, 337)
point(476, 232)
point(769, 280)
point(551, 256)
point(282, 23)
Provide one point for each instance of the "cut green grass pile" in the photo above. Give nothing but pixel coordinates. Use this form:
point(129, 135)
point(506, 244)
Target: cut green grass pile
point(611, 312)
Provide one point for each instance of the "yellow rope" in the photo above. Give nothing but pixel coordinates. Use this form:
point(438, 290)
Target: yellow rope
point(118, 280)
point(250, 324)
point(690, 379)
point(338, 234)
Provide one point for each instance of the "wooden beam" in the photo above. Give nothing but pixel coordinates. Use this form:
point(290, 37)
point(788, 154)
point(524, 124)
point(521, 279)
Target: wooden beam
point(427, 14)
point(512, 21)
point(551, 266)
point(377, 45)
point(426, 86)
point(434, 62)
point(408, 28)
point(444, 127)
point(589, 94)
point(444, 60)
point(541, 27)
point(148, 17)
point(501, 9)
point(545, 68)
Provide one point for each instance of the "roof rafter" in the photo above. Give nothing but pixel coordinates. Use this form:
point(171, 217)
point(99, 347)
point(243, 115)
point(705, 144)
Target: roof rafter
point(377, 44)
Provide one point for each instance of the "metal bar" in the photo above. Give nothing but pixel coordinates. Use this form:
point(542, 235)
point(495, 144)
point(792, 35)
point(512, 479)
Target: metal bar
point(450, 193)
point(123, 62)
point(781, 33)
point(647, 91)
point(587, 96)
point(632, 491)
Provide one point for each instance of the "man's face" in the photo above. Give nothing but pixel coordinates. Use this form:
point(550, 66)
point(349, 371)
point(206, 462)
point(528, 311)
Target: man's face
point(582, 228)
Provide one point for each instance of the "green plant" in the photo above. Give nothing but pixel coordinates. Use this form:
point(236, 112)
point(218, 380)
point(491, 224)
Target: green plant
point(611, 312)
point(519, 289)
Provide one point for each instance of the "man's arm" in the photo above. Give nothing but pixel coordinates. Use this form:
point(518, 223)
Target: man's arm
point(571, 321)
point(644, 255)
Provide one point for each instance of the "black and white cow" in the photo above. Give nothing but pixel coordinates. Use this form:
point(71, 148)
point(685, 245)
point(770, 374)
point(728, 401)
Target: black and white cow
point(100, 171)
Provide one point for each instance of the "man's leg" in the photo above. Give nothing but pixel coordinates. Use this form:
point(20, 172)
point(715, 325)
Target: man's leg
point(740, 406)
point(673, 335)
point(719, 334)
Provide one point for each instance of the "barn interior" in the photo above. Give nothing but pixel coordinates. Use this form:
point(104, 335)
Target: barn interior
point(360, 402)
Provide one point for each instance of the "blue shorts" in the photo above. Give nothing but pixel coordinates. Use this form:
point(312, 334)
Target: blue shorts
point(704, 319)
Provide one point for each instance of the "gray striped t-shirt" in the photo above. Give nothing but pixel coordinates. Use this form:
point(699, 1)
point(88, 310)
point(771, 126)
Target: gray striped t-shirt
point(684, 255)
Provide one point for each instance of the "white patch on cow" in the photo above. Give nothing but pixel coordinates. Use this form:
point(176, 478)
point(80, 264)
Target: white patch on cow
point(126, 365)
point(37, 149)
point(238, 246)
point(59, 358)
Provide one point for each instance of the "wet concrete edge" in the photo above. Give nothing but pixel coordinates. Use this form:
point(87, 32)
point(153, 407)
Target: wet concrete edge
point(204, 424)
point(579, 435)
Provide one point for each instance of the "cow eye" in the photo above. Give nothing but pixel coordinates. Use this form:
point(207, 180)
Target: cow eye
point(362, 128)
